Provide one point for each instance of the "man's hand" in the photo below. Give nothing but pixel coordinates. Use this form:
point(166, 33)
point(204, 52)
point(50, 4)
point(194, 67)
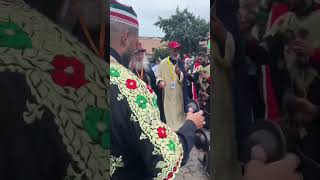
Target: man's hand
point(300, 110)
point(284, 169)
point(162, 84)
point(197, 118)
point(178, 71)
point(204, 95)
point(303, 47)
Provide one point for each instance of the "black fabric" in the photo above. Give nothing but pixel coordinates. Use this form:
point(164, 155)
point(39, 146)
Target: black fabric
point(256, 97)
point(310, 146)
point(150, 78)
point(28, 151)
point(184, 83)
point(187, 135)
point(137, 155)
point(139, 162)
point(50, 9)
point(94, 32)
point(227, 12)
point(161, 105)
point(259, 57)
point(281, 84)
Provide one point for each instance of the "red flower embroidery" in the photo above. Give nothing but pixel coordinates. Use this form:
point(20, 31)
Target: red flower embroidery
point(131, 84)
point(150, 89)
point(162, 132)
point(68, 71)
point(175, 169)
point(170, 175)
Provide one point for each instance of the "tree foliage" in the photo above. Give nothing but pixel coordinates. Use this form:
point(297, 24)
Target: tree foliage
point(185, 28)
point(160, 53)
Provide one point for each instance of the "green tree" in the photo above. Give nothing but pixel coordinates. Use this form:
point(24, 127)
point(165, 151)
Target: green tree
point(160, 53)
point(185, 28)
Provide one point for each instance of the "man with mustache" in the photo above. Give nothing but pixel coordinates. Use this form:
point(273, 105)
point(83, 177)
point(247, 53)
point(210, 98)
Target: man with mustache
point(142, 147)
point(170, 78)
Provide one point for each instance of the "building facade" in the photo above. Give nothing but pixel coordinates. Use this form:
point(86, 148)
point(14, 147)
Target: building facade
point(151, 44)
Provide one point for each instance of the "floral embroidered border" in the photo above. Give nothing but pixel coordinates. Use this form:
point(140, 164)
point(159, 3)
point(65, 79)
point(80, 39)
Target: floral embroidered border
point(115, 164)
point(145, 112)
point(68, 98)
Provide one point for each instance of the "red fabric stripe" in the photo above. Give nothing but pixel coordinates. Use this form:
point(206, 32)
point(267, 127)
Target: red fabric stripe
point(277, 11)
point(122, 16)
point(195, 97)
point(316, 56)
point(273, 111)
point(194, 92)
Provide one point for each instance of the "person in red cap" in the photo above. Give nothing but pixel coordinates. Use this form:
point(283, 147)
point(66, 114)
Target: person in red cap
point(170, 79)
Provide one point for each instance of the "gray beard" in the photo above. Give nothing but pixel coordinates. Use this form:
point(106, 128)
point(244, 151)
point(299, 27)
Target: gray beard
point(142, 65)
point(139, 66)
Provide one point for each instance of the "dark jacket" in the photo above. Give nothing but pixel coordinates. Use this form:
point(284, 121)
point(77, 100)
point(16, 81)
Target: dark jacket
point(151, 78)
point(184, 86)
point(49, 117)
point(136, 138)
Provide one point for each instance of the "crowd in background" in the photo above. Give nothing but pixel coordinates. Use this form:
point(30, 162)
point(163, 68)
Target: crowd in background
point(194, 84)
point(279, 49)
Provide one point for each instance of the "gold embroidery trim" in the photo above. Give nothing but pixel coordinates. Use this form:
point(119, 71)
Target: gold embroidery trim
point(115, 164)
point(149, 121)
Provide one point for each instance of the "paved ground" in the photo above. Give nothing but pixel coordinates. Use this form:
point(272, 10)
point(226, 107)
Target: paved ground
point(193, 170)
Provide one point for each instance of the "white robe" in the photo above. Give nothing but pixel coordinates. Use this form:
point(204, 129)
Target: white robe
point(172, 97)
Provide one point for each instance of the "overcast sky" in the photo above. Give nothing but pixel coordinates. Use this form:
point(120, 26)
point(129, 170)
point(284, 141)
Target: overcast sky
point(148, 12)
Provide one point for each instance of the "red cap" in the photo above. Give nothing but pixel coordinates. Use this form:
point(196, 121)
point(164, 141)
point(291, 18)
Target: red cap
point(186, 56)
point(174, 45)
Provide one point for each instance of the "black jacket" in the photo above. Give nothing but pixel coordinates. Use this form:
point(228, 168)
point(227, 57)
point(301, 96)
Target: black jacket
point(140, 142)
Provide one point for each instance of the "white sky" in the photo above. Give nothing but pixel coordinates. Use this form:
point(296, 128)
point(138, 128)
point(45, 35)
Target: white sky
point(148, 12)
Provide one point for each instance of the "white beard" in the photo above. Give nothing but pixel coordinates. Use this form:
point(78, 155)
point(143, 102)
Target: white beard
point(139, 65)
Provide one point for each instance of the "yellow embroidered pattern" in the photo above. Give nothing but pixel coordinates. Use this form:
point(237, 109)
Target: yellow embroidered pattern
point(146, 113)
point(68, 105)
point(115, 163)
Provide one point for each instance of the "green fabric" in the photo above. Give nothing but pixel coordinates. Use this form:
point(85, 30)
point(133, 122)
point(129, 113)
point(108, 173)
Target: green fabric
point(172, 145)
point(97, 124)
point(114, 73)
point(154, 101)
point(262, 18)
point(21, 28)
point(12, 36)
point(141, 101)
point(124, 8)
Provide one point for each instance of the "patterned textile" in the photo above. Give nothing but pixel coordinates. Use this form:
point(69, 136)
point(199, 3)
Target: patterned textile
point(54, 101)
point(137, 122)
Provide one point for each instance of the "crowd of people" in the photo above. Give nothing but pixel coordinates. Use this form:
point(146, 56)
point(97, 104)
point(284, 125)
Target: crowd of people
point(279, 45)
point(176, 81)
point(55, 91)
point(138, 98)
